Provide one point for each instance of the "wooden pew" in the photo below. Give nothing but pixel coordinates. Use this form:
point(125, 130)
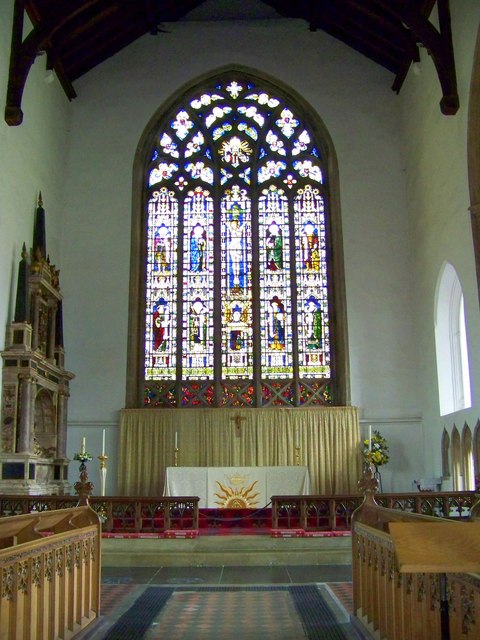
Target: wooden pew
point(49, 573)
point(412, 574)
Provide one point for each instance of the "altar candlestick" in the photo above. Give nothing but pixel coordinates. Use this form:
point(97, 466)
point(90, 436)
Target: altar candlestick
point(176, 440)
point(103, 443)
point(83, 445)
point(370, 437)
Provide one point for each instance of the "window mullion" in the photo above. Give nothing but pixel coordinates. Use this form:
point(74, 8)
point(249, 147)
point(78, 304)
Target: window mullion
point(179, 328)
point(217, 300)
point(257, 346)
point(294, 297)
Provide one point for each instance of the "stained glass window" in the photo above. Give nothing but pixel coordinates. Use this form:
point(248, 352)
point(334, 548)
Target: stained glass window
point(238, 292)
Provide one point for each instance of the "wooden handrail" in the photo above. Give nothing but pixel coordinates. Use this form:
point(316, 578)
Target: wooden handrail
point(392, 603)
point(49, 573)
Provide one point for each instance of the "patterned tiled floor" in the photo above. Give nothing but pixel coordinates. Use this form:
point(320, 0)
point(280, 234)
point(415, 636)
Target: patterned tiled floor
point(207, 603)
point(204, 615)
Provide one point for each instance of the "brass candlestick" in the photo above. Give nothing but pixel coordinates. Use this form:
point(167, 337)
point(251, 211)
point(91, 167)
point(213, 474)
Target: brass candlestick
point(83, 487)
point(175, 456)
point(103, 473)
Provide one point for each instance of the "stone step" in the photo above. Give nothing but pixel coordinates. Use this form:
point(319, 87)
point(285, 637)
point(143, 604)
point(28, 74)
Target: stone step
point(233, 550)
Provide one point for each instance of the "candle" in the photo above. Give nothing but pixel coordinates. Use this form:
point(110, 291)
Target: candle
point(176, 440)
point(83, 445)
point(103, 443)
point(370, 437)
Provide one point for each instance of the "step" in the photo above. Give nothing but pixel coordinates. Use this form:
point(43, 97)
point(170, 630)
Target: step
point(231, 550)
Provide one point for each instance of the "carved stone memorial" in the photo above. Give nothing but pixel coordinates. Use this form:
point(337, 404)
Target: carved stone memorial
point(35, 386)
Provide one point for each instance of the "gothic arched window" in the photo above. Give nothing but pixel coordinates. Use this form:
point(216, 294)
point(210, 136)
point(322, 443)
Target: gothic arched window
point(237, 295)
point(451, 344)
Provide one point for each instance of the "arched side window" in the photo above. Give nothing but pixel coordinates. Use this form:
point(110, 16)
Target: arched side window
point(451, 344)
point(234, 287)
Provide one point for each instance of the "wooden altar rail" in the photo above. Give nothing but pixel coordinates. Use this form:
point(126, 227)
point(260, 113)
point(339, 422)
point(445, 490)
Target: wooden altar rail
point(312, 513)
point(332, 513)
point(49, 574)
point(118, 514)
point(393, 605)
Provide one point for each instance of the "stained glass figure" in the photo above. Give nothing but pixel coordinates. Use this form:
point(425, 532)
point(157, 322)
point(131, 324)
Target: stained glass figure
point(249, 130)
point(216, 114)
point(236, 284)
point(161, 286)
point(236, 304)
point(182, 124)
point(263, 99)
point(198, 240)
point(251, 112)
point(272, 169)
point(162, 248)
point(161, 314)
point(312, 279)
point(218, 132)
point(163, 172)
point(197, 351)
point(235, 151)
point(275, 143)
point(194, 145)
point(234, 89)
point(275, 284)
point(287, 123)
point(274, 244)
point(201, 171)
point(169, 146)
point(301, 144)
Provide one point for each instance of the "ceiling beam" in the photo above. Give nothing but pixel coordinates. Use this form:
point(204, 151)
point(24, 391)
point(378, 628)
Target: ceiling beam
point(24, 52)
point(437, 42)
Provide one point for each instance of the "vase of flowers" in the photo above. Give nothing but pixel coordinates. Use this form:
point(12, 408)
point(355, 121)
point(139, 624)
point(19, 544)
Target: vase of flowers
point(375, 452)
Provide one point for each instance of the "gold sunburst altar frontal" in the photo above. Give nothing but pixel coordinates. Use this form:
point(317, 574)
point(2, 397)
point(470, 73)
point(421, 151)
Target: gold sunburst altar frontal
point(237, 496)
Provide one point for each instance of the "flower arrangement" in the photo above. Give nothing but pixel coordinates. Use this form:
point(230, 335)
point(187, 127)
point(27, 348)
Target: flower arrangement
point(375, 450)
point(83, 456)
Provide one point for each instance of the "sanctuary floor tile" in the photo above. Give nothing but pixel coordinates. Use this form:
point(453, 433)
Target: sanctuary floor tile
point(238, 602)
point(255, 575)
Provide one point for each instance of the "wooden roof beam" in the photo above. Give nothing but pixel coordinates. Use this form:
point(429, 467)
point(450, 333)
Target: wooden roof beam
point(24, 52)
point(438, 44)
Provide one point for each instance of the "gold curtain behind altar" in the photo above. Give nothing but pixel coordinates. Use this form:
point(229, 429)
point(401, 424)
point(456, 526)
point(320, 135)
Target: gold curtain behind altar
point(328, 439)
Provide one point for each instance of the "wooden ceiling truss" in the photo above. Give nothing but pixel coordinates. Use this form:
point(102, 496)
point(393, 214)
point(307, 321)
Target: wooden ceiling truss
point(77, 35)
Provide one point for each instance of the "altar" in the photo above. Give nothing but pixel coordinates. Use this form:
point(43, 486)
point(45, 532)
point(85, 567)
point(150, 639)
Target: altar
point(236, 487)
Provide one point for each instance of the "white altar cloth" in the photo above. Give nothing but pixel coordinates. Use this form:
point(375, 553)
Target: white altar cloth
point(236, 487)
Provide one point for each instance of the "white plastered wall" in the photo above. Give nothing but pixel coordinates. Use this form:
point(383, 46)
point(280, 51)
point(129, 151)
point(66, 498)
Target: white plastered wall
point(435, 149)
point(33, 158)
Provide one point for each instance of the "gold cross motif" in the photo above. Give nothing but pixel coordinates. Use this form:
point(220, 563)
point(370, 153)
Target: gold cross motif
point(238, 424)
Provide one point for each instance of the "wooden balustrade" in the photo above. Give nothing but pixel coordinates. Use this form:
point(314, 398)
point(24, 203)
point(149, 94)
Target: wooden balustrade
point(49, 573)
point(438, 599)
point(334, 513)
point(311, 513)
point(118, 514)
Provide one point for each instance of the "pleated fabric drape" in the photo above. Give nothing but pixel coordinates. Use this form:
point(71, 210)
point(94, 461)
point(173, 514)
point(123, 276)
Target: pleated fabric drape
point(328, 439)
